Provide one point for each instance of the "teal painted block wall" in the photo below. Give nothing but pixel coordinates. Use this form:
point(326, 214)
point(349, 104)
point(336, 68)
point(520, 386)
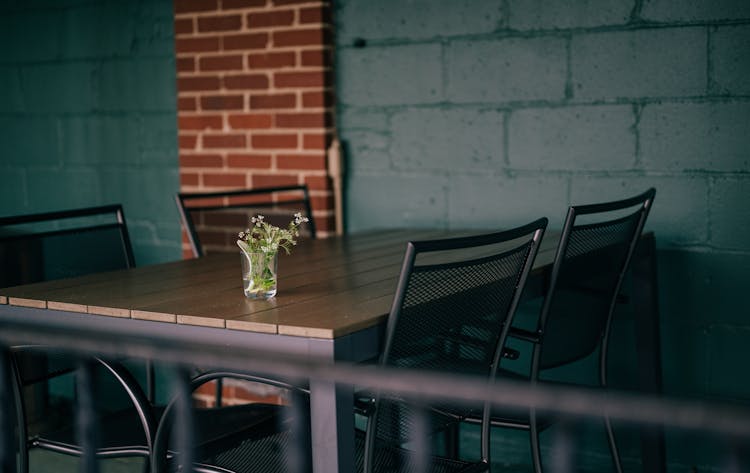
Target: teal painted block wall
point(88, 114)
point(493, 112)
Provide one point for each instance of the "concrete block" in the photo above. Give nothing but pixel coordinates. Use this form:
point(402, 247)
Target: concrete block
point(447, 139)
point(95, 139)
point(730, 213)
point(685, 364)
point(154, 29)
point(495, 202)
point(695, 136)
point(366, 150)
point(13, 198)
point(65, 188)
point(640, 63)
point(506, 70)
point(583, 138)
point(137, 85)
point(11, 95)
point(414, 19)
point(98, 30)
point(157, 141)
point(694, 10)
point(559, 14)
point(728, 350)
point(679, 216)
point(73, 90)
point(354, 118)
point(395, 75)
point(29, 36)
point(730, 61)
point(29, 141)
point(404, 200)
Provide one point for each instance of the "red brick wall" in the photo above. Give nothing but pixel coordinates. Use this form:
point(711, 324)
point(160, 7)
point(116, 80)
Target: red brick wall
point(255, 96)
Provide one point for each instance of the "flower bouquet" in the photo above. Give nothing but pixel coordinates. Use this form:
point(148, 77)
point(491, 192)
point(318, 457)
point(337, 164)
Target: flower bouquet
point(260, 246)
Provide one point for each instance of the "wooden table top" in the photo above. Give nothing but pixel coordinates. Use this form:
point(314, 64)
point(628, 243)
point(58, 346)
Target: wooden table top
point(327, 288)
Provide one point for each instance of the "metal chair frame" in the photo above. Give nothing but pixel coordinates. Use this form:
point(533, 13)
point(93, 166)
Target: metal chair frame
point(184, 205)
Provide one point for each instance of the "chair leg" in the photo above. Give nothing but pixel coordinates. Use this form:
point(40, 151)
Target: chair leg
point(613, 446)
point(536, 452)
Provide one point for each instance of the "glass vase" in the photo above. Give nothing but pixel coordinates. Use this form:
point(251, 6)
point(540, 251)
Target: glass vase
point(259, 272)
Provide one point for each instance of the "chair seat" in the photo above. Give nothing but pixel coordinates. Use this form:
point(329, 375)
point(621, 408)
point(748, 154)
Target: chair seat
point(394, 459)
point(120, 433)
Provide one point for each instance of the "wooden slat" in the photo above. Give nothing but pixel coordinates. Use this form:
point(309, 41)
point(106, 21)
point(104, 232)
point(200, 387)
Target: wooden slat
point(22, 302)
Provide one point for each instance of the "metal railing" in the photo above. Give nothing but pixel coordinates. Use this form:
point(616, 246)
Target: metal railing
point(729, 421)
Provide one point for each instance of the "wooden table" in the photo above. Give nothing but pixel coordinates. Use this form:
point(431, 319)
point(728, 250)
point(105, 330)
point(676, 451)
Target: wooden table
point(334, 297)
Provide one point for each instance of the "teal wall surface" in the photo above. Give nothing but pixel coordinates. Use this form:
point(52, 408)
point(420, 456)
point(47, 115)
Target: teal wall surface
point(88, 113)
point(489, 113)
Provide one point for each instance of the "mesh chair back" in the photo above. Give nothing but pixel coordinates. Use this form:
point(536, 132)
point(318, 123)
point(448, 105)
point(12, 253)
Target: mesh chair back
point(212, 220)
point(587, 274)
point(54, 245)
point(451, 312)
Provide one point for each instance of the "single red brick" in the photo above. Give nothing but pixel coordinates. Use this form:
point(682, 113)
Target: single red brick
point(222, 102)
point(185, 84)
point(301, 120)
point(188, 141)
point(314, 141)
point(224, 180)
point(316, 99)
point(271, 18)
point(231, 4)
point(246, 81)
point(219, 23)
point(188, 179)
point(250, 121)
point(187, 104)
point(183, 26)
point(190, 6)
point(196, 45)
point(271, 60)
point(289, 2)
point(299, 37)
point(273, 141)
point(317, 14)
point(322, 202)
point(325, 223)
point(301, 161)
point(187, 253)
point(316, 58)
point(221, 63)
point(185, 64)
point(201, 161)
point(300, 79)
point(258, 161)
point(246, 41)
point(318, 183)
point(272, 180)
point(224, 141)
point(273, 101)
point(200, 122)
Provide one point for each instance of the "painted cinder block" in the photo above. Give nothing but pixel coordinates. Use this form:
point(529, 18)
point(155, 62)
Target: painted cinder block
point(130, 85)
point(557, 14)
point(710, 136)
point(367, 150)
point(404, 200)
point(414, 20)
point(730, 213)
point(10, 89)
point(397, 75)
point(73, 90)
point(692, 10)
point(582, 138)
point(28, 141)
point(506, 70)
point(30, 36)
point(87, 30)
point(13, 191)
point(639, 63)
point(680, 210)
point(452, 140)
point(730, 68)
point(496, 201)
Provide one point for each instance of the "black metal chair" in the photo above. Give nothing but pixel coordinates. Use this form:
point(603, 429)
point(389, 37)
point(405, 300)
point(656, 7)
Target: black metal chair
point(452, 311)
point(55, 245)
point(213, 219)
point(595, 249)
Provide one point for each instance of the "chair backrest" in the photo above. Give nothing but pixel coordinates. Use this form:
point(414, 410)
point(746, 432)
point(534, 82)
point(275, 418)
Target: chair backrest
point(592, 258)
point(451, 313)
point(54, 245)
point(212, 220)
